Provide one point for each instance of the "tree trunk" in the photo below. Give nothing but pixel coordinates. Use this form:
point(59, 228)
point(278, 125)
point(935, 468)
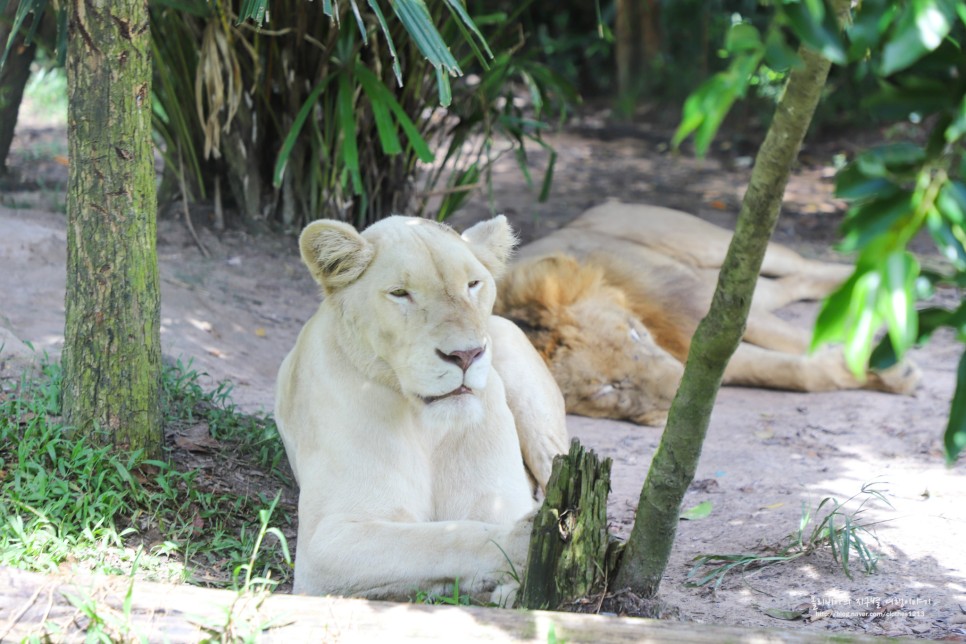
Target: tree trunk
point(571, 552)
point(13, 79)
point(112, 353)
point(637, 43)
point(719, 333)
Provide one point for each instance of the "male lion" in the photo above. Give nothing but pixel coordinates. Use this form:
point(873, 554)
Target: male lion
point(612, 299)
point(410, 455)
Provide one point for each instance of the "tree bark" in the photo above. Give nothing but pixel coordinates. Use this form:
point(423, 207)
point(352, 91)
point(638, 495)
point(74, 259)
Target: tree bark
point(637, 43)
point(112, 353)
point(571, 551)
point(719, 333)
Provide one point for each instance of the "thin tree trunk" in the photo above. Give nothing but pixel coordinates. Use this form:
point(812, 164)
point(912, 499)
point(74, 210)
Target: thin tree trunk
point(719, 333)
point(13, 79)
point(112, 353)
point(637, 43)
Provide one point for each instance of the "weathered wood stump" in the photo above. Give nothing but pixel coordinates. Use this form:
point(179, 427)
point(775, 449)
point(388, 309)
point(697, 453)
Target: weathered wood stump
point(572, 554)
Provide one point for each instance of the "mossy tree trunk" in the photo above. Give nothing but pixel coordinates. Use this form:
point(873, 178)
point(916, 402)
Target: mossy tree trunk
point(112, 354)
point(719, 333)
point(572, 554)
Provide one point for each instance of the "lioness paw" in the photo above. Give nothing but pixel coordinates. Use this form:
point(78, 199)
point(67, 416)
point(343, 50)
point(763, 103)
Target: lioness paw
point(902, 378)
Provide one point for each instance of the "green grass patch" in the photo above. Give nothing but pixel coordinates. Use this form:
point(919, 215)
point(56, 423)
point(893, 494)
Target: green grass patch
point(196, 517)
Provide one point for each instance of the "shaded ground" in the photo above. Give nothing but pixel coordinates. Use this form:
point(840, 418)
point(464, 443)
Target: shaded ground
point(236, 313)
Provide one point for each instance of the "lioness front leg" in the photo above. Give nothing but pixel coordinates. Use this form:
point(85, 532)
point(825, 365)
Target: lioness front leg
point(381, 559)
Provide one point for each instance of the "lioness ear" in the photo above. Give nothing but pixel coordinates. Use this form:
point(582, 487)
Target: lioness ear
point(492, 242)
point(335, 253)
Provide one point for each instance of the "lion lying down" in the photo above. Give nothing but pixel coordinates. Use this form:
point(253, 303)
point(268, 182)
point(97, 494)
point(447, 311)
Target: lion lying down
point(612, 299)
point(411, 416)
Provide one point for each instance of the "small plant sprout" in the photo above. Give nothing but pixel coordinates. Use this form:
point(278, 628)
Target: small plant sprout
point(840, 529)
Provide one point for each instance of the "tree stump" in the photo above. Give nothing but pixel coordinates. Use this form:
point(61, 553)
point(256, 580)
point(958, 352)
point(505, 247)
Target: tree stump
point(572, 554)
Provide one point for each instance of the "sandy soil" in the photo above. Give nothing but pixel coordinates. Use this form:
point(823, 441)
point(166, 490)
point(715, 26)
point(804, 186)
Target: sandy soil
point(235, 314)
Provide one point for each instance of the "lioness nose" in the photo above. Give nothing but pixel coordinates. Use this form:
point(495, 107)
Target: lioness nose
point(463, 358)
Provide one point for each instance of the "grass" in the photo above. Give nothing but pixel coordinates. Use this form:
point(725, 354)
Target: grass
point(64, 501)
point(840, 530)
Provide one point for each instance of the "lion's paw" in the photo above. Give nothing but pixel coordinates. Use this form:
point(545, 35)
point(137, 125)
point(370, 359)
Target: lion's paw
point(902, 378)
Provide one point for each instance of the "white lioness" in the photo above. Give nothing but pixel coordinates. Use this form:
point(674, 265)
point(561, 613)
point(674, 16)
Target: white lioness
point(612, 299)
point(410, 452)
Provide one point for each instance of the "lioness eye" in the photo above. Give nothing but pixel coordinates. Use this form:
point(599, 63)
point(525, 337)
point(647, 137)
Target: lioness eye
point(399, 292)
point(474, 284)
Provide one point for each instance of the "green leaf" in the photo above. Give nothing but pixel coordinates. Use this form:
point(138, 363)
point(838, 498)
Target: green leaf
point(286, 150)
point(951, 202)
point(700, 511)
point(817, 29)
point(396, 69)
point(778, 54)
point(375, 88)
point(863, 321)
point(869, 25)
point(457, 6)
point(742, 38)
point(418, 23)
point(954, 438)
point(24, 8)
point(867, 221)
point(919, 30)
point(853, 184)
point(897, 300)
point(956, 129)
point(347, 124)
point(833, 314)
point(381, 113)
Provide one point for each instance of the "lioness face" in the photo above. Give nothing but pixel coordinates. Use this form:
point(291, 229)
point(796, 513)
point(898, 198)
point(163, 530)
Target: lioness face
point(415, 298)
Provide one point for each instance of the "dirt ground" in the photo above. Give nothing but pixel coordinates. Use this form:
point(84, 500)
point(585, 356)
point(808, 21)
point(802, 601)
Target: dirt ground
point(768, 454)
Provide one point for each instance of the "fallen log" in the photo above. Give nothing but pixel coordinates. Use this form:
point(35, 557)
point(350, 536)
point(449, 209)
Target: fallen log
point(63, 609)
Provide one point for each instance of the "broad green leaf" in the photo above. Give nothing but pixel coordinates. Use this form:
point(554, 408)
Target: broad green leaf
point(893, 157)
point(949, 239)
point(833, 314)
point(778, 54)
point(897, 300)
point(908, 95)
point(952, 202)
point(919, 30)
point(863, 322)
point(817, 29)
point(853, 184)
point(867, 221)
point(954, 439)
point(700, 511)
point(869, 24)
point(742, 38)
